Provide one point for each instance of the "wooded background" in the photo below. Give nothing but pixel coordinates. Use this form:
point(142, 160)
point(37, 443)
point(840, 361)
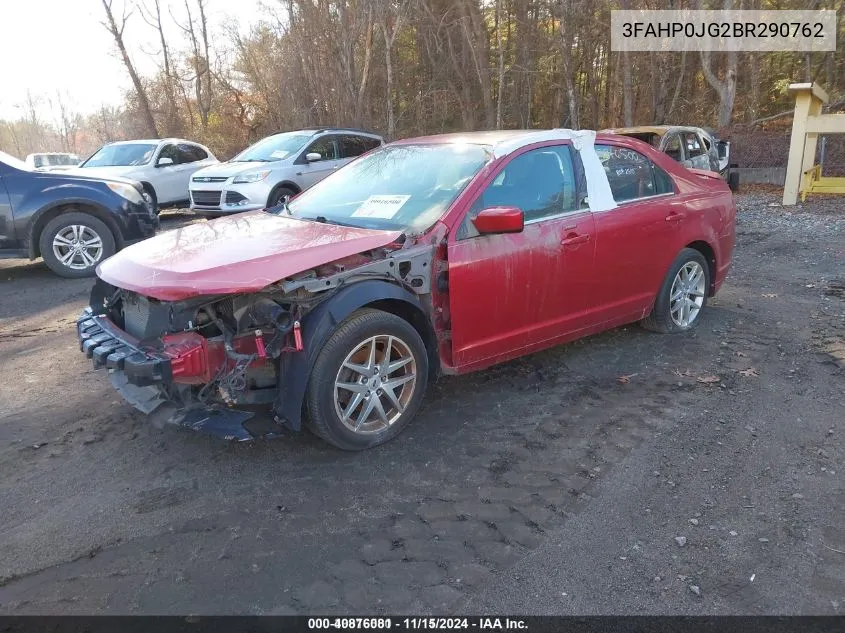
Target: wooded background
point(411, 67)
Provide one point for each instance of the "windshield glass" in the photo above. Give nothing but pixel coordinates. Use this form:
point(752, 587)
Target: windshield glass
point(121, 155)
point(406, 187)
point(11, 161)
point(276, 147)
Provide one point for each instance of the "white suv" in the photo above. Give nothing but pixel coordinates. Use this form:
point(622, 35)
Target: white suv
point(276, 166)
point(163, 166)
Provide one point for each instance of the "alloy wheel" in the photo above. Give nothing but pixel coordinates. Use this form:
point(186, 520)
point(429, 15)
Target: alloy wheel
point(687, 295)
point(78, 246)
point(375, 383)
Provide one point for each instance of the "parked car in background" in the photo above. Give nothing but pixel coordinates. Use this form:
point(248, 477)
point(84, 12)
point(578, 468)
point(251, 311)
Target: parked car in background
point(694, 147)
point(163, 166)
point(73, 221)
point(444, 254)
point(52, 161)
point(276, 166)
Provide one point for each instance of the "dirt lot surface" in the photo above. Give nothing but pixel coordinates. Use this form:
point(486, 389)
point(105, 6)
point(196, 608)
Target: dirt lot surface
point(626, 473)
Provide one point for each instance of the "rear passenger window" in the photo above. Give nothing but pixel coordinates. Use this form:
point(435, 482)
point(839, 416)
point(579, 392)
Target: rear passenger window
point(352, 146)
point(631, 175)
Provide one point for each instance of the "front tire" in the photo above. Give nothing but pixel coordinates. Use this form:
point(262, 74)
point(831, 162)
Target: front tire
point(73, 244)
point(682, 295)
point(277, 196)
point(148, 189)
point(368, 381)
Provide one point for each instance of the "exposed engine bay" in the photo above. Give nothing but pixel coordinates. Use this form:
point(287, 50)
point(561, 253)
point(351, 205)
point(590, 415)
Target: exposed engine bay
point(226, 351)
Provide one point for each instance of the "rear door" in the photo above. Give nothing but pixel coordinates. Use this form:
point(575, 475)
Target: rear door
point(511, 293)
point(313, 172)
point(638, 240)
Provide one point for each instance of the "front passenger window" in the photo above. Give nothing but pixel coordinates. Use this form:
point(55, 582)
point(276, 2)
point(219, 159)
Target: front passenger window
point(325, 147)
point(541, 182)
point(171, 152)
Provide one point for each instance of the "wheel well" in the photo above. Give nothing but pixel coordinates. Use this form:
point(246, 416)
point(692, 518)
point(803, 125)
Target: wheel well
point(707, 251)
point(287, 184)
point(416, 317)
point(147, 185)
point(44, 219)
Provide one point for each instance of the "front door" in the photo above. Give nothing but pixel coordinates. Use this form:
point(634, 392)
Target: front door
point(314, 171)
point(637, 241)
point(512, 293)
point(168, 178)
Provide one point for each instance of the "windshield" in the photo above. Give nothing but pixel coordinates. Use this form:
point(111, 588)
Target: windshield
point(121, 155)
point(276, 147)
point(11, 161)
point(406, 187)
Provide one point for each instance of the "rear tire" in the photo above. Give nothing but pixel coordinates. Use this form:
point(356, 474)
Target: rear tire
point(73, 244)
point(682, 296)
point(368, 381)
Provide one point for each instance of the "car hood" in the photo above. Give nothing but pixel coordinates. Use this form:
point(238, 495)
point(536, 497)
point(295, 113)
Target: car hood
point(105, 172)
point(82, 176)
point(238, 253)
point(231, 169)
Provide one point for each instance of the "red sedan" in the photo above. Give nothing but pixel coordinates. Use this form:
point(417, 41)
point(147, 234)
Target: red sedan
point(436, 255)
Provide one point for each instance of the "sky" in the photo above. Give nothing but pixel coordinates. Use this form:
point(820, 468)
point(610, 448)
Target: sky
point(50, 46)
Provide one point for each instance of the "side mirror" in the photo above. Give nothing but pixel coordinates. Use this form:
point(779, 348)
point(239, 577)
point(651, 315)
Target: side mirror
point(313, 157)
point(499, 220)
point(164, 161)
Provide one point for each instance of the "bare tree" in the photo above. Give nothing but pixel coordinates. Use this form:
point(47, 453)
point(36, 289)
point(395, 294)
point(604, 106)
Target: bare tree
point(390, 22)
point(116, 30)
point(726, 87)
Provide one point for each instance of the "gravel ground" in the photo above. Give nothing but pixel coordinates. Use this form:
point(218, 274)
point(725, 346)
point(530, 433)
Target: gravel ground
point(625, 473)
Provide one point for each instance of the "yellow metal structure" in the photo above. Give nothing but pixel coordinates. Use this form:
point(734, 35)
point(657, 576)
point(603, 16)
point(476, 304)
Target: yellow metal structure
point(802, 176)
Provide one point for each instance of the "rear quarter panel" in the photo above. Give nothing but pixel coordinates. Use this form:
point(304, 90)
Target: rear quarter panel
point(708, 203)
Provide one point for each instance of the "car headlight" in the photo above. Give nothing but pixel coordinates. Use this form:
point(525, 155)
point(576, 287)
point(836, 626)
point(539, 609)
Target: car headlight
point(126, 191)
point(252, 176)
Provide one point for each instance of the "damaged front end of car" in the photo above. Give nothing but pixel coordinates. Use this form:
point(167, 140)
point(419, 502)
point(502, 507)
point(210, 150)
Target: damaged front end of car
point(211, 362)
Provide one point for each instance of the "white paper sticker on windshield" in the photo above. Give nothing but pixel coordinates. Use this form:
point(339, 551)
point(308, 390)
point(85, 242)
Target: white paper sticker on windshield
point(279, 153)
point(384, 207)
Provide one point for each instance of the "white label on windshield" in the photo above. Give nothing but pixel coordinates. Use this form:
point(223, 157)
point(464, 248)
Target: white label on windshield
point(279, 153)
point(380, 207)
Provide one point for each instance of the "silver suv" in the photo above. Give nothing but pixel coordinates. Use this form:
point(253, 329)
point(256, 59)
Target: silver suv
point(276, 166)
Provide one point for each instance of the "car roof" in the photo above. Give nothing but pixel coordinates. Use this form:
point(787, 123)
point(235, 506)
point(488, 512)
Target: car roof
point(153, 141)
point(491, 138)
point(326, 130)
point(659, 130)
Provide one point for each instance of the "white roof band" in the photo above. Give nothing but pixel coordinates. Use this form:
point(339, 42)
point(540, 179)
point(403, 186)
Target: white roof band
point(599, 194)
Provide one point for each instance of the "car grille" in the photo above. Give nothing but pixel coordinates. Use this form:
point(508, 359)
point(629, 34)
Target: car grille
point(136, 314)
point(210, 178)
point(206, 198)
point(233, 197)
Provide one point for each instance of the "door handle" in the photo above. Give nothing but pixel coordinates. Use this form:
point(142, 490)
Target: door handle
point(673, 216)
point(572, 239)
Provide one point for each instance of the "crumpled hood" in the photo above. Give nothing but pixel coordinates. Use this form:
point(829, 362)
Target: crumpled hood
point(231, 169)
point(237, 253)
